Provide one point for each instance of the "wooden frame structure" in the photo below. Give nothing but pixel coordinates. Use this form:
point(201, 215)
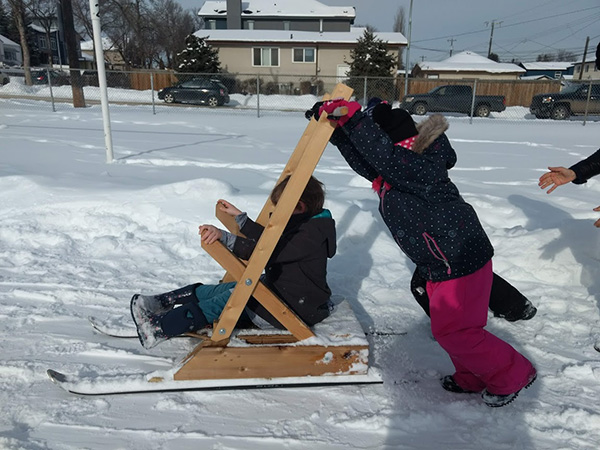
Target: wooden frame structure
point(280, 354)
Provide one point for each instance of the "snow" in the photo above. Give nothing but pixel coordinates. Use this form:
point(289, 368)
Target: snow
point(78, 237)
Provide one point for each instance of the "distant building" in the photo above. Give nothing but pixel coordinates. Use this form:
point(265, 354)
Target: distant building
point(467, 65)
point(294, 37)
point(587, 70)
point(552, 70)
point(112, 58)
point(10, 52)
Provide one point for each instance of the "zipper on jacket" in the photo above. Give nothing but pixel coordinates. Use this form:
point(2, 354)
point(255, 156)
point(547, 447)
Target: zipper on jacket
point(436, 251)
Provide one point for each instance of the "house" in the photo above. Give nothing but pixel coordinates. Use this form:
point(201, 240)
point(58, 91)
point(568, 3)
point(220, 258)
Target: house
point(467, 65)
point(549, 70)
point(299, 38)
point(586, 70)
point(10, 52)
point(50, 44)
point(112, 58)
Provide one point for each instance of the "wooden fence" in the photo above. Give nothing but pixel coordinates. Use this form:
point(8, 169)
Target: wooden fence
point(516, 92)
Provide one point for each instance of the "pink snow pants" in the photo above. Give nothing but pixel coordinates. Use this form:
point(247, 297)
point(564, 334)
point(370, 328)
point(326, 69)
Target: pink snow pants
point(458, 311)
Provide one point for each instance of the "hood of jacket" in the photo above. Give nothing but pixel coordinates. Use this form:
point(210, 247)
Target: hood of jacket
point(429, 130)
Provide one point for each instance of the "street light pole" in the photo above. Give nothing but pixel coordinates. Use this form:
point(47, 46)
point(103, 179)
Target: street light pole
point(408, 49)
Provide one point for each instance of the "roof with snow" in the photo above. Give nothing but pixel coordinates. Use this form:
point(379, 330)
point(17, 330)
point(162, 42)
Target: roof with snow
point(340, 37)
point(269, 8)
point(550, 65)
point(7, 41)
point(469, 62)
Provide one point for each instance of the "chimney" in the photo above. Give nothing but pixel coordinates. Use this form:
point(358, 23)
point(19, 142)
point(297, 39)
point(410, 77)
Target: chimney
point(234, 14)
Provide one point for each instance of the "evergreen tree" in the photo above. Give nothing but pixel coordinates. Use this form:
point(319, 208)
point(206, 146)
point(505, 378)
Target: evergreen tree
point(198, 57)
point(370, 58)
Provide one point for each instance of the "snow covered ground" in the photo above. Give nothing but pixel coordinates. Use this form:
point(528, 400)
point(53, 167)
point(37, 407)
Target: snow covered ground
point(78, 237)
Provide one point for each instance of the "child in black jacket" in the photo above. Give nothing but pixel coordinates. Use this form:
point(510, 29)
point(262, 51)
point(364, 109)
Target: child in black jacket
point(296, 273)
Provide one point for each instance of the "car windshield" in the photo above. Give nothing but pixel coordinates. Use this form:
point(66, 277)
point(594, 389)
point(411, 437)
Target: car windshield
point(570, 89)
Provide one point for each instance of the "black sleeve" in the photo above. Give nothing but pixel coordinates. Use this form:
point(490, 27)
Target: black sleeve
point(586, 169)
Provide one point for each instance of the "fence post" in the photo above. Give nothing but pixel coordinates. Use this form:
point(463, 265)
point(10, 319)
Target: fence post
point(258, 96)
point(365, 93)
point(473, 101)
point(152, 92)
point(50, 87)
point(587, 103)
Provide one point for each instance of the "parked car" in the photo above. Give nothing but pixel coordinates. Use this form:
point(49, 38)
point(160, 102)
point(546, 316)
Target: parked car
point(40, 76)
point(453, 98)
point(571, 101)
point(4, 78)
point(197, 90)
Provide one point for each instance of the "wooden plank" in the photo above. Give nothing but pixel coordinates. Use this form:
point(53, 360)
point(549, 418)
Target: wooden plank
point(340, 90)
point(319, 138)
point(210, 363)
point(236, 267)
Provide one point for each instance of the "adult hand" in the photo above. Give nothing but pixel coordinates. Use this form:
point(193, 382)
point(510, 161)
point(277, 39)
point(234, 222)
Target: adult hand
point(228, 208)
point(556, 177)
point(209, 233)
point(597, 222)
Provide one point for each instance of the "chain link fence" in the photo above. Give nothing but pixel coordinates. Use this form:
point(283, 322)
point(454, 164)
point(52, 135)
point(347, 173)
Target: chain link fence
point(160, 92)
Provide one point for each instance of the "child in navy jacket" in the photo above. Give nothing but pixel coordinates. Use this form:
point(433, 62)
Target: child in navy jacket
point(441, 233)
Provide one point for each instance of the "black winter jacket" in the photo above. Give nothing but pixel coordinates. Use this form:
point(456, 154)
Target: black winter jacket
point(423, 209)
point(297, 269)
point(586, 169)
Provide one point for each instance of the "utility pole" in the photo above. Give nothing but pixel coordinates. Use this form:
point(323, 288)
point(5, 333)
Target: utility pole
point(451, 45)
point(587, 42)
point(493, 22)
point(407, 65)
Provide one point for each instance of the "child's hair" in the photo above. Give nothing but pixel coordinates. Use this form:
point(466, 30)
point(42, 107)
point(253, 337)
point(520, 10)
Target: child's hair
point(313, 196)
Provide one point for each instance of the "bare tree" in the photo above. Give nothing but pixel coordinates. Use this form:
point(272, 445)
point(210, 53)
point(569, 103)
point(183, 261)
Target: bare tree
point(18, 10)
point(400, 27)
point(170, 39)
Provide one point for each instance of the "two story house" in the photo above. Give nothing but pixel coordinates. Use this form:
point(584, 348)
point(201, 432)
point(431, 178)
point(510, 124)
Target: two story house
point(300, 38)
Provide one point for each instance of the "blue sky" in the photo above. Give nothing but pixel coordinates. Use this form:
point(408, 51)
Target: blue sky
point(522, 30)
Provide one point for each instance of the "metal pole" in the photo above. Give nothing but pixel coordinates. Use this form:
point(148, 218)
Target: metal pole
point(95, 12)
point(152, 90)
point(50, 87)
point(365, 93)
point(408, 50)
point(258, 96)
point(587, 103)
point(473, 101)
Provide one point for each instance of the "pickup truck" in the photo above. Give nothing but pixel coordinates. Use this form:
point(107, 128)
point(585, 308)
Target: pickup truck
point(453, 98)
point(570, 101)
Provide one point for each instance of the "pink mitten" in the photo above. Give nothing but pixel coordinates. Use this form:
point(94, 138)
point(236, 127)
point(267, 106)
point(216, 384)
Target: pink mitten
point(339, 110)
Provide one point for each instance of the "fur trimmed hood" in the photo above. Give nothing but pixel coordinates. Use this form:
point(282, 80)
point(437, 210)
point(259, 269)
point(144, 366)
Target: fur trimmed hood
point(429, 130)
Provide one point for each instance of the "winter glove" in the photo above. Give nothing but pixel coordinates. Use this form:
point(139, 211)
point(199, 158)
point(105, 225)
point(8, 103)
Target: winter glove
point(339, 110)
point(314, 111)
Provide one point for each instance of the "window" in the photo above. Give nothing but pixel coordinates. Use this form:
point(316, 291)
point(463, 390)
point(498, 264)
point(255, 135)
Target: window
point(557, 75)
point(306, 55)
point(42, 42)
point(265, 56)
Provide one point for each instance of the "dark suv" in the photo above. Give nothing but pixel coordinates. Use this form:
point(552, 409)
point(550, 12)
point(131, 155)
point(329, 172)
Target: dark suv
point(573, 100)
point(197, 90)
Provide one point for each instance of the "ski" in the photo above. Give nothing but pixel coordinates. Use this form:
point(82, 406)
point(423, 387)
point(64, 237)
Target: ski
point(112, 329)
point(159, 383)
point(115, 329)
